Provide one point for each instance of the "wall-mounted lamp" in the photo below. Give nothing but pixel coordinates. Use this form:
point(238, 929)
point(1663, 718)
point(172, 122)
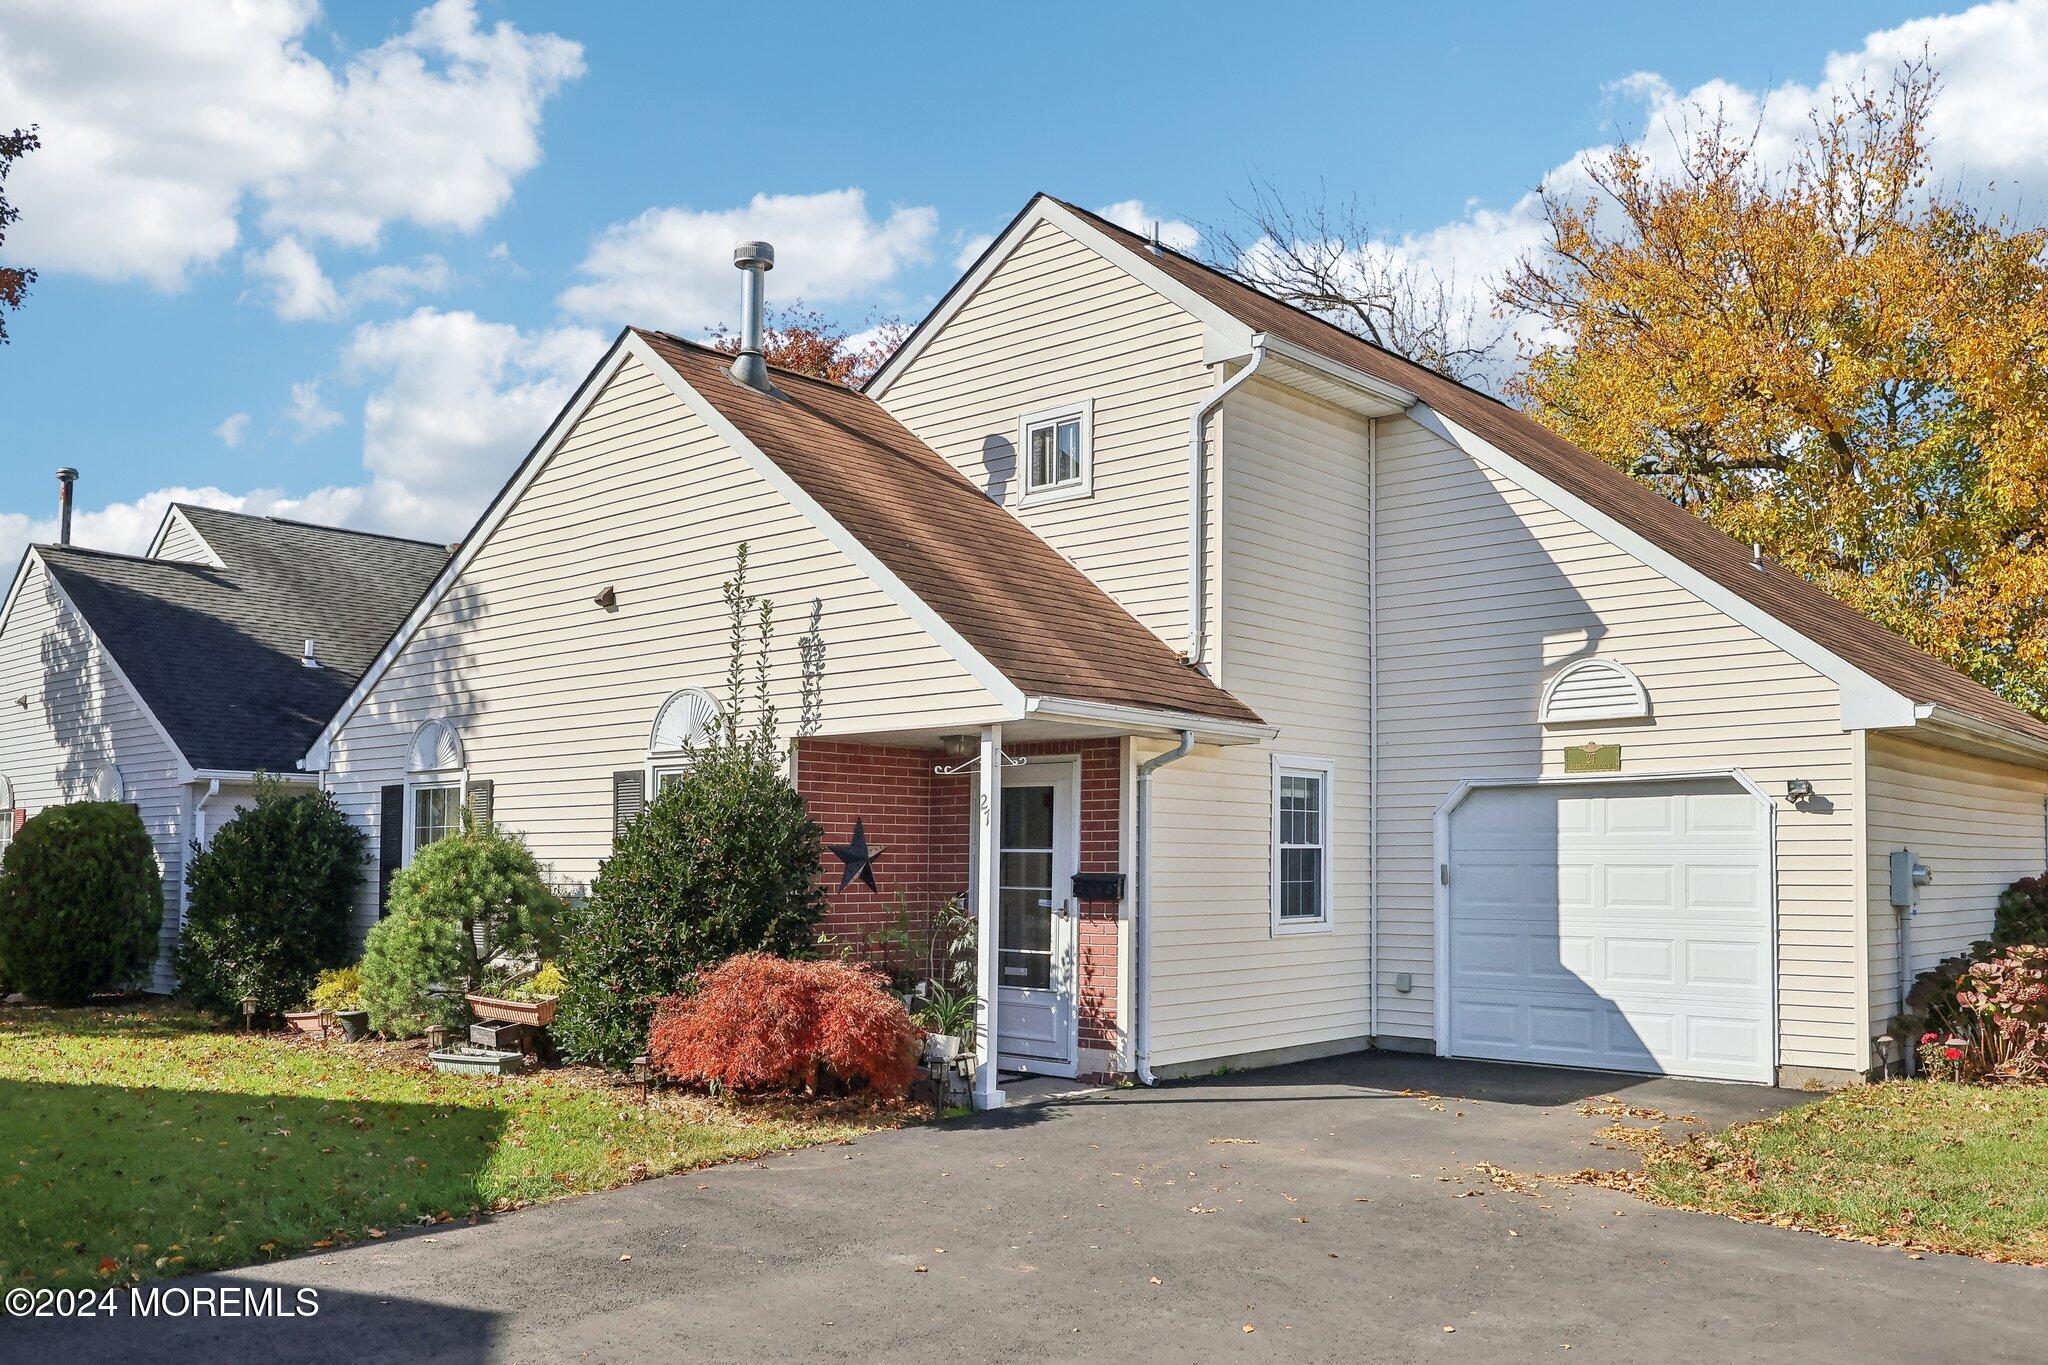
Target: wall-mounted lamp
point(608, 599)
point(1798, 789)
point(958, 746)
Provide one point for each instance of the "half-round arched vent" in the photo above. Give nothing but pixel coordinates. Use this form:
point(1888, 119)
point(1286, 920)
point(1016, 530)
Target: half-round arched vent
point(6, 795)
point(684, 722)
point(436, 748)
point(107, 784)
point(1594, 689)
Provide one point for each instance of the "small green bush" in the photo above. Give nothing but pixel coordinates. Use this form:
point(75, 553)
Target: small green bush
point(339, 988)
point(2022, 913)
point(270, 902)
point(465, 902)
point(723, 862)
point(81, 903)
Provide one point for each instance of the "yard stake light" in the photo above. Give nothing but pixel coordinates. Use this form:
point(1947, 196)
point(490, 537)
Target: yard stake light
point(643, 1075)
point(248, 1014)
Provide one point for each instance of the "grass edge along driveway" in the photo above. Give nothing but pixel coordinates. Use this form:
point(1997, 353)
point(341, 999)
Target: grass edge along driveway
point(142, 1141)
point(1921, 1165)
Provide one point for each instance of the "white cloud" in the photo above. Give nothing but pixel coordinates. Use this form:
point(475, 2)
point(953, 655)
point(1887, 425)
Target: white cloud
point(306, 412)
point(162, 119)
point(672, 267)
point(971, 249)
point(1133, 214)
point(461, 400)
point(127, 527)
point(298, 290)
point(232, 429)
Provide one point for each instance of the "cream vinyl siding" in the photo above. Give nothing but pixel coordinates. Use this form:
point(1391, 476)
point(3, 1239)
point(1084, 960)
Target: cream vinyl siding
point(1295, 595)
point(1484, 593)
point(80, 716)
point(551, 694)
point(1056, 323)
point(1977, 823)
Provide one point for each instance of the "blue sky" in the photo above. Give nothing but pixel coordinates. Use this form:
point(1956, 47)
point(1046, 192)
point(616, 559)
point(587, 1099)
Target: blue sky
point(345, 264)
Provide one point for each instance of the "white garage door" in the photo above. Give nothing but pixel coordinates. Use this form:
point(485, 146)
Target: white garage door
point(1625, 926)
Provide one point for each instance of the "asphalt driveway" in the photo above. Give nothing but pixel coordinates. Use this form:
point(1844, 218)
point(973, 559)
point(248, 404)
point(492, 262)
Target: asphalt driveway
point(1305, 1213)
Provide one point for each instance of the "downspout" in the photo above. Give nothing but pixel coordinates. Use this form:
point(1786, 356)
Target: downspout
point(1141, 915)
point(1372, 731)
point(1198, 504)
point(197, 831)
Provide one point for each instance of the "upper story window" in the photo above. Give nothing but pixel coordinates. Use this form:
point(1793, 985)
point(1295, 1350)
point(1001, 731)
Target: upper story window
point(1055, 453)
point(685, 723)
point(1301, 844)
point(435, 779)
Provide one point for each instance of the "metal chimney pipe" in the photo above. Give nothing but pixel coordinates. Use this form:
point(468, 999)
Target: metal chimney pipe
point(65, 478)
point(755, 260)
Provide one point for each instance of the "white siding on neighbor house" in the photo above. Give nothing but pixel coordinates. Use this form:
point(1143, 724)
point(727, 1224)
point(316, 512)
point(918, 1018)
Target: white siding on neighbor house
point(1054, 323)
point(182, 542)
point(1484, 594)
point(1295, 603)
point(80, 717)
point(1978, 824)
point(551, 694)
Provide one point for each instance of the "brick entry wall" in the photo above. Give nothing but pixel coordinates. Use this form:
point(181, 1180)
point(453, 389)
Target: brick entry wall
point(922, 821)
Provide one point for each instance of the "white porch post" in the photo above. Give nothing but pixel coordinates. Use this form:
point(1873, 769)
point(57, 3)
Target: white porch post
point(987, 912)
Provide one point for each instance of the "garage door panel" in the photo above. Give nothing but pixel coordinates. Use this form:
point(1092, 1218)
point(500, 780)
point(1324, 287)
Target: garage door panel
point(1619, 927)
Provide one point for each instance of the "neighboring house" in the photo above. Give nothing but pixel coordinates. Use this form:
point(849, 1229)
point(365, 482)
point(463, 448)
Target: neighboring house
point(169, 680)
point(1365, 710)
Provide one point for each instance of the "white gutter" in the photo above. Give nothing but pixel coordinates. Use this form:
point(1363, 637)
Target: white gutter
point(1954, 725)
point(1141, 903)
point(1198, 501)
point(1210, 730)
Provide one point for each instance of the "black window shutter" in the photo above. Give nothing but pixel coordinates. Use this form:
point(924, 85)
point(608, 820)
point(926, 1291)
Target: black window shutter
point(482, 801)
point(629, 797)
point(390, 841)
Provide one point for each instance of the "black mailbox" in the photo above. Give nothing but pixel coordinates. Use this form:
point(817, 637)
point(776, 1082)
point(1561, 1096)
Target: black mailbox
point(1098, 886)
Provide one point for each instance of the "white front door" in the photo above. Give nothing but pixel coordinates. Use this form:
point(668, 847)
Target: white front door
point(1039, 854)
point(1621, 925)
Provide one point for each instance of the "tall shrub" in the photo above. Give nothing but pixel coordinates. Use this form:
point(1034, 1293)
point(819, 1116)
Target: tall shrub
point(725, 861)
point(81, 903)
point(2022, 915)
point(464, 903)
point(270, 902)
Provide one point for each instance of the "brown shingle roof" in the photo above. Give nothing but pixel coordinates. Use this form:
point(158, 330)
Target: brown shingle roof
point(1040, 621)
point(1807, 609)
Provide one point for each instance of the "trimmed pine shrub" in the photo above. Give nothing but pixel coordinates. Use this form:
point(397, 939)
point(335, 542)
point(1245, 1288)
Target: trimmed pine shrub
point(758, 1022)
point(465, 902)
point(81, 903)
point(270, 902)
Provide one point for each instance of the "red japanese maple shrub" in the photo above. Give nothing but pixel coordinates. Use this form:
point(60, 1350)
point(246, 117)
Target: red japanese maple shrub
point(759, 1022)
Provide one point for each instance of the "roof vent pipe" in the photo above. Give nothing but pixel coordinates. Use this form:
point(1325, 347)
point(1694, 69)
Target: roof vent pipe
point(755, 260)
point(309, 659)
point(65, 478)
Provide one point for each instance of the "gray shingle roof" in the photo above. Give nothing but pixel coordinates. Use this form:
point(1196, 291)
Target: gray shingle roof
point(215, 652)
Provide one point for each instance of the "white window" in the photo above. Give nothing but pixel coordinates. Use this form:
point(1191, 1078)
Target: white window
point(686, 722)
point(1301, 844)
point(436, 813)
point(1054, 453)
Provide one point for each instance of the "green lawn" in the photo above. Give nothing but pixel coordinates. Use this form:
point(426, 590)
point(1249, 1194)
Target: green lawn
point(141, 1141)
point(1938, 1167)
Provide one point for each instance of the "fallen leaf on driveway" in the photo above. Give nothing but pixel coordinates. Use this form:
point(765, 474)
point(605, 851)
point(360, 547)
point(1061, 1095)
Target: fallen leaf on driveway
point(626, 1257)
point(1157, 1280)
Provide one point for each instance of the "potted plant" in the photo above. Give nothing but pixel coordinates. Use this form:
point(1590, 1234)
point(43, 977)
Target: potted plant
point(529, 1002)
point(339, 993)
point(948, 1019)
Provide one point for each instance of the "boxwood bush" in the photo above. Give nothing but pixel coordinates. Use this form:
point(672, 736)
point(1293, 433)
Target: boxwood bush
point(270, 902)
point(81, 903)
point(464, 902)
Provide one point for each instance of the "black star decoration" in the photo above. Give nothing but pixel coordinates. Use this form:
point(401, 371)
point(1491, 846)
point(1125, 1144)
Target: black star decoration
point(858, 857)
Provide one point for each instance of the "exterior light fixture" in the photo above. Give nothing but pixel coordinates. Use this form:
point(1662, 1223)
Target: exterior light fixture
point(248, 1003)
point(643, 1075)
point(1799, 789)
point(608, 599)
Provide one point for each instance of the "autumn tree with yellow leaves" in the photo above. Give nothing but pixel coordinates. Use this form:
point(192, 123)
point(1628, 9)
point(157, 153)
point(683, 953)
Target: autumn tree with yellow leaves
point(1836, 359)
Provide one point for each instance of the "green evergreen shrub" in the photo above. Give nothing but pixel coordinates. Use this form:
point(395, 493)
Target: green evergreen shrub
point(723, 862)
point(81, 903)
point(464, 902)
point(270, 902)
point(2022, 915)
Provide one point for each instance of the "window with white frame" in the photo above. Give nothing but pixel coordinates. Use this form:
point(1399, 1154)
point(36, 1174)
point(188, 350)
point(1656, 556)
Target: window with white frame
point(433, 786)
point(6, 815)
point(1301, 844)
point(1054, 452)
point(686, 722)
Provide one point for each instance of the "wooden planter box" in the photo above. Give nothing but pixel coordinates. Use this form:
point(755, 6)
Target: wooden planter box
point(313, 1022)
point(539, 1013)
